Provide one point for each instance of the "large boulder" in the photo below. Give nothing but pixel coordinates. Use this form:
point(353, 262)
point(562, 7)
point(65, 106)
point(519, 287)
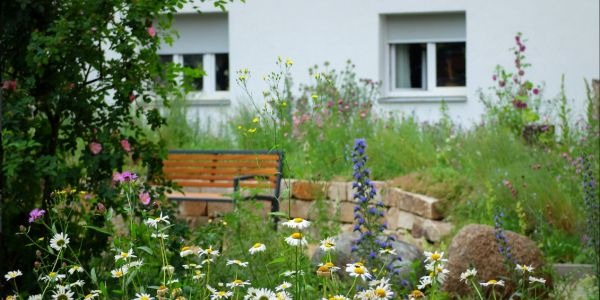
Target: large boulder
point(476, 246)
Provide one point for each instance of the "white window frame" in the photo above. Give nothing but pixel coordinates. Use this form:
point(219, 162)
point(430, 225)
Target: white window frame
point(209, 91)
point(431, 93)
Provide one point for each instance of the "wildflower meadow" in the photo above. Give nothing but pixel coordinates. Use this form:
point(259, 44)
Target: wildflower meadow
point(85, 212)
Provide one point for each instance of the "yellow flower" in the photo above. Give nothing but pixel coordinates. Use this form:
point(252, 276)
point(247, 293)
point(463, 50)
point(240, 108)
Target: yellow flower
point(255, 120)
point(288, 62)
point(252, 130)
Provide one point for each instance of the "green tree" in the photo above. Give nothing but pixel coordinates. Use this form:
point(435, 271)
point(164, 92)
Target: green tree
point(77, 76)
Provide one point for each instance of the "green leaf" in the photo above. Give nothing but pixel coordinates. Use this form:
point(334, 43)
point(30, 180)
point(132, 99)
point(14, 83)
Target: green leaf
point(278, 260)
point(145, 249)
point(101, 230)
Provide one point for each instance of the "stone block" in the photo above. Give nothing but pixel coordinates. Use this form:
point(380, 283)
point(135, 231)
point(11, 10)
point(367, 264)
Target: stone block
point(215, 209)
point(338, 191)
point(346, 211)
point(192, 208)
point(399, 219)
point(417, 204)
point(436, 230)
point(296, 208)
point(308, 190)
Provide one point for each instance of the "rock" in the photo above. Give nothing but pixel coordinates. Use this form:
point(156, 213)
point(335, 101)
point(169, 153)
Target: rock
point(399, 219)
point(417, 204)
point(338, 190)
point(436, 230)
point(476, 246)
point(343, 254)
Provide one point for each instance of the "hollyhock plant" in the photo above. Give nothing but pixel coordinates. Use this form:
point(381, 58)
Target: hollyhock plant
point(126, 145)
point(95, 147)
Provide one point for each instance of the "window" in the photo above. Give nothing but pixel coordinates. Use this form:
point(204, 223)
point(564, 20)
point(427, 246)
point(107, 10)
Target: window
point(203, 43)
point(426, 56)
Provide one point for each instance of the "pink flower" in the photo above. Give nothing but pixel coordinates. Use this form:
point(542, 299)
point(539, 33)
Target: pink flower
point(95, 147)
point(145, 198)
point(9, 85)
point(151, 31)
point(494, 78)
point(35, 214)
point(125, 145)
point(124, 177)
point(100, 208)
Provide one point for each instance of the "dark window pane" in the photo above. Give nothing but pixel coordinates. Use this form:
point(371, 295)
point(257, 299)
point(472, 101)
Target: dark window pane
point(222, 70)
point(193, 61)
point(166, 58)
point(450, 64)
point(411, 66)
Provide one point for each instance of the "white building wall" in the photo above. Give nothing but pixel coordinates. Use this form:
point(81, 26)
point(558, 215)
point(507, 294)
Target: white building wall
point(563, 38)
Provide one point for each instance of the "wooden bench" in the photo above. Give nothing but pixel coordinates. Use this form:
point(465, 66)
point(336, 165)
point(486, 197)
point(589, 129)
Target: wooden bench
point(258, 170)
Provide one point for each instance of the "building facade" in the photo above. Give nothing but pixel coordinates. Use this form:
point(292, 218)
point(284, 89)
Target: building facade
point(422, 51)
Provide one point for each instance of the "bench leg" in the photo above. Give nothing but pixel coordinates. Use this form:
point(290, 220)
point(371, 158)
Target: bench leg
point(275, 209)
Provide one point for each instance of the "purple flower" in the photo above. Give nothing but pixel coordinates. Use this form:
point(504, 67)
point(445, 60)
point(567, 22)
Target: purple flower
point(145, 198)
point(124, 177)
point(35, 214)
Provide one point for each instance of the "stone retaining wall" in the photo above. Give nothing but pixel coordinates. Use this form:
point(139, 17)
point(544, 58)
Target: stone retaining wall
point(408, 214)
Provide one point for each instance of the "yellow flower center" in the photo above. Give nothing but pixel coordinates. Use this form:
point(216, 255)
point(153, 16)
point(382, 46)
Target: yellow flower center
point(417, 294)
point(323, 268)
point(52, 274)
point(257, 245)
point(359, 264)
point(380, 292)
point(435, 256)
point(222, 293)
point(329, 264)
point(492, 281)
point(298, 220)
point(157, 219)
point(237, 281)
point(118, 273)
point(185, 248)
point(297, 235)
point(359, 270)
point(144, 297)
point(329, 245)
point(124, 254)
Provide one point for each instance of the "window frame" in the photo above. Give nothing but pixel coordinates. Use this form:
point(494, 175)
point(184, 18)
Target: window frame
point(432, 91)
point(209, 90)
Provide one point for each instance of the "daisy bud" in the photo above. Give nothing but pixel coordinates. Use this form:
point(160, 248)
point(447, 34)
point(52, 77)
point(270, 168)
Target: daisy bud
point(22, 229)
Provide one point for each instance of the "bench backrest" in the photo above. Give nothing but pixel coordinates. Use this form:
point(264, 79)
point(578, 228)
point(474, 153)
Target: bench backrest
point(218, 168)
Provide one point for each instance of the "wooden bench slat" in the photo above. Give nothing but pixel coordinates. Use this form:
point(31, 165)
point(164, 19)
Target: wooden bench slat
point(232, 172)
point(210, 177)
point(223, 184)
point(221, 164)
point(197, 196)
point(220, 157)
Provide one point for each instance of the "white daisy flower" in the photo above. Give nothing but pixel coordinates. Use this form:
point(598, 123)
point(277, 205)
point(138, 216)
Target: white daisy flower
point(237, 283)
point(197, 275)
point(92, 294)
point(297, 223)
point(207, 261)
point(260, 294)
point(434, 257)
point(35, 297)
point(424, 282)
point(124, 255)
point(237, 262)
point(492, 283)
point(296, 239)
point(119, 272)
point(258, 247)
point(437, 271)
point(383, 291)
point(216, 294)
point(191, 266)
point(284, 286)
point(283, 295)
point(524, 268)
point(153, 222)
point(172, 281)
point(169, 269)
point(292, 273)
point(13, 274)
point(143, 296)
point(536, 279)
point(338, 297)
point(53, 276)
point(358, 270)
point(468, 274)
point(74, 269)
point(185, 251)
point(159, 235)
point(389, 251)
point(330, 266)
point(416, 294)
point(135, 264)
point(328, 244)
point(59, 241)
point(62, 294)
point(208, 252)
point(79, 283)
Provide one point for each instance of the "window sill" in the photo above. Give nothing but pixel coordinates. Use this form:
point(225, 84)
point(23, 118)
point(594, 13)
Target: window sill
point(208, 99)
point(416, 96)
